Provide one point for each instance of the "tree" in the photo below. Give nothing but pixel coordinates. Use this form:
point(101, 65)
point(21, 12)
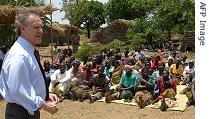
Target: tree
point(89, 14)
point(143, 31)
point(118, 9)
point(167, 17)
point(86, 50)
point(129, 9)
point(175, 16)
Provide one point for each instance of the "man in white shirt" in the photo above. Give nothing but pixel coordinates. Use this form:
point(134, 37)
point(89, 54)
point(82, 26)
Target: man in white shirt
point(22, 79)
point(60, 81)
point(138, 54)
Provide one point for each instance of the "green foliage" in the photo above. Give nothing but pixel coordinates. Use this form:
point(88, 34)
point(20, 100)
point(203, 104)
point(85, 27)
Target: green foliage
point(128, 9)
point(7, 35)
point(89, 14)
point(143, 32)
point(115, 44)
point(137, 40)
point(118, 9)
point(86, 50)
point(174, 16)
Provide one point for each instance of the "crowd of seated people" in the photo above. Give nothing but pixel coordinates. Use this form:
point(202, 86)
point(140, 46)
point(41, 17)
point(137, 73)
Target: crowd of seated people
point(127, 75)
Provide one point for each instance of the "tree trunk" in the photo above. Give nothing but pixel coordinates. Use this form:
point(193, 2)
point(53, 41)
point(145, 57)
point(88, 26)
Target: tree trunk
point(88, 31)
point(169, 35)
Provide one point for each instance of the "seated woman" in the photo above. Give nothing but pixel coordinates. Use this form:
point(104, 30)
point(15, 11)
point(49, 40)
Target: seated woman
point(145, 83)
point(127, 84)
point(108, 68)
point(145, 79)
point(161, 81)
point(100, 85)
point(154, 62)
point(168, 93)
point(80, 82)
point(86, 75)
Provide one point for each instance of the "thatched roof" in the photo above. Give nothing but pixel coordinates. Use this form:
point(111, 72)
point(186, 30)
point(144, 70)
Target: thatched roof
point(120, 21)
point(8, 12)
point(58, 28)
point(68, 26)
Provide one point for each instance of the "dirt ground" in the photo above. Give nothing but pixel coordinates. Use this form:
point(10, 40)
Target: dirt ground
point(84, 110)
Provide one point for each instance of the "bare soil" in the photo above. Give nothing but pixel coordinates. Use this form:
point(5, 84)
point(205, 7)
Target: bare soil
point(84, 110)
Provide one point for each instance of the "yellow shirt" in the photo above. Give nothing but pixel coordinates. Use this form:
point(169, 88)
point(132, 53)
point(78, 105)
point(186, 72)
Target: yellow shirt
point(178, 71)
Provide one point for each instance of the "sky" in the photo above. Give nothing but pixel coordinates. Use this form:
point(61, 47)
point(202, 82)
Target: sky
point(57, 15)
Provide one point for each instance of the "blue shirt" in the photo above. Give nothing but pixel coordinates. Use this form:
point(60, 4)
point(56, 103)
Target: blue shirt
point(21, 80)
point(128, 82)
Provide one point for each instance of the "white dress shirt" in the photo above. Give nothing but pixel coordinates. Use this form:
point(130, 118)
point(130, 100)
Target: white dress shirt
point(21, 80)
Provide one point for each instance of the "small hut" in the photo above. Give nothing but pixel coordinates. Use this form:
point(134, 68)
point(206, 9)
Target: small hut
point(115, 30)
point(188, 43)
point(62, 34)
point(57, 34)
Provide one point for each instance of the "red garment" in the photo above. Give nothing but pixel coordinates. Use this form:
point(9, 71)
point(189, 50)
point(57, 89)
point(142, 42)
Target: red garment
point(86, 77)
point(160, 85)
point(154, 64)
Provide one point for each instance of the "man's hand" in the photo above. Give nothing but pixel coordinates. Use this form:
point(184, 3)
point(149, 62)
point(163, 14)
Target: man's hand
point(50, 107)
point(53, 98)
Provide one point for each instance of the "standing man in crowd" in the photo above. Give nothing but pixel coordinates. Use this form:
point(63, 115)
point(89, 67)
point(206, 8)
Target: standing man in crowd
point(22, 79)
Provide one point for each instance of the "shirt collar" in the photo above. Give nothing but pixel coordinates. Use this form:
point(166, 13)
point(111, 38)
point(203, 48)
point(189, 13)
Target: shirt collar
point(25, 44)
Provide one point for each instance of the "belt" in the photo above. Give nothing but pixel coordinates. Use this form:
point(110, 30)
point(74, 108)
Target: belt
point(14, 104)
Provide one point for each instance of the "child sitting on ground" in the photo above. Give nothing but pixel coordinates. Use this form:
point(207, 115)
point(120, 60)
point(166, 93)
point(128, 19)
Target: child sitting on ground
point(168, 93)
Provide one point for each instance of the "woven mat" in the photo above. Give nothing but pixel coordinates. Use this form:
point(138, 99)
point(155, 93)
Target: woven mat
point(180, 103)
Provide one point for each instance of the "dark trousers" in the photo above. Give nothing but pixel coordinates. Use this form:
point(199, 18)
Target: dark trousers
point(15, 111)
